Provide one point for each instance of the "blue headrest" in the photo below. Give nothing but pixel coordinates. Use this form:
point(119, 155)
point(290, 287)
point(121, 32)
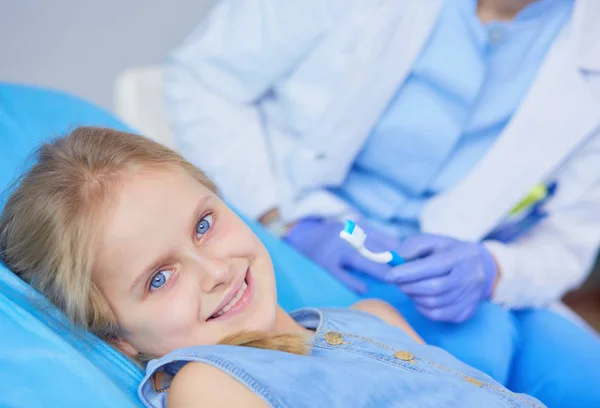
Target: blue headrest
point(30, 116)
point(44, 360)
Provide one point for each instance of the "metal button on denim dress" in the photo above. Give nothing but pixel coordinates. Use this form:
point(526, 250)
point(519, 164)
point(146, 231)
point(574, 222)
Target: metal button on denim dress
point(357, 360)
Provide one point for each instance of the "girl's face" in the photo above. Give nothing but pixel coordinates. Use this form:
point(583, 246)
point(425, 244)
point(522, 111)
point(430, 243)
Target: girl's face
point(179, 268)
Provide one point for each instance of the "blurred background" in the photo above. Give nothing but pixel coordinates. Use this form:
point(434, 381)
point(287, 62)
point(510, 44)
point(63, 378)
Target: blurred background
point(82, 51)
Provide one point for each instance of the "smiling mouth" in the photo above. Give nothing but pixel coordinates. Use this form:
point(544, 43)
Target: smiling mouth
point(232, 302)
point(238, 302)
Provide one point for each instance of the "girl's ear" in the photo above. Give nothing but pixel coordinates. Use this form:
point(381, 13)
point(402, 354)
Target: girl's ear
point(126, 348)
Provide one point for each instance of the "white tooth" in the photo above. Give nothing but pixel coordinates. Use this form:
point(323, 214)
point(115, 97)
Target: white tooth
point(233, 301)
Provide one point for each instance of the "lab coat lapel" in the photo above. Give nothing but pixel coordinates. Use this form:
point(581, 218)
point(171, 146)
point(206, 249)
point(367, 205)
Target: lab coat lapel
point(400, 30)
point(589, 37)
point(558, 114)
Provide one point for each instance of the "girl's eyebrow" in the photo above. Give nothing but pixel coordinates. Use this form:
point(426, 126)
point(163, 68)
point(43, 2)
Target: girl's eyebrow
point(162, 259)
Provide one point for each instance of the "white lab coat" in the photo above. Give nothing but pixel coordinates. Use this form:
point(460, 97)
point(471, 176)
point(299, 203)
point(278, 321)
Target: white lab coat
point(275, 98)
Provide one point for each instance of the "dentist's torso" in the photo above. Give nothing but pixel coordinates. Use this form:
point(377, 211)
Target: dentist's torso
point(321, 113)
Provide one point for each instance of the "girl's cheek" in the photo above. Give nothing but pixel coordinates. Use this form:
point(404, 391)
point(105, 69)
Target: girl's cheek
point(176, 309)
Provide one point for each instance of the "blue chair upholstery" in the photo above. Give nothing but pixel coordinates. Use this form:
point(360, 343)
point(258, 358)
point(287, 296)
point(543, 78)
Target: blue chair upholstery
point(45, 361)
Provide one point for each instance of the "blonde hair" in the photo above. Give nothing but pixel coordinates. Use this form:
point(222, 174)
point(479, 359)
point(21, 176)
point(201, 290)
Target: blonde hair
point(49, 224)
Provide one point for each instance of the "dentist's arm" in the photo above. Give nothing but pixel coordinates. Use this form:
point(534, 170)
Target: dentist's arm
point(558, 254)
point(215, 78)
point(448, 278)
point(554, 258)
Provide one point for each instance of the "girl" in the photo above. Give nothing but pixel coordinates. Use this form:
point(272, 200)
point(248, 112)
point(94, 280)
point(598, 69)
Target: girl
point(134, 244)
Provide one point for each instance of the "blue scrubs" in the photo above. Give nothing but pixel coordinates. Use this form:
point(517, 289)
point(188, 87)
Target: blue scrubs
point(463, 90)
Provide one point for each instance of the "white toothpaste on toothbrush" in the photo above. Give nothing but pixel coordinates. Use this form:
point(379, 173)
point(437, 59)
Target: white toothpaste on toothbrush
point(356, 237)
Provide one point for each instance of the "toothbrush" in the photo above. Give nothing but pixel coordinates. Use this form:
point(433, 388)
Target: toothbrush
point(356, 237)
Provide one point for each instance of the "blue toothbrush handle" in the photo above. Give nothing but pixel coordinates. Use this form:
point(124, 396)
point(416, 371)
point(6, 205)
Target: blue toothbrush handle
point(396, 259)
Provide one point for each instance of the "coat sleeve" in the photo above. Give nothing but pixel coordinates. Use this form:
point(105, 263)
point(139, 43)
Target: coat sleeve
point(559, 253)
point(215, 78)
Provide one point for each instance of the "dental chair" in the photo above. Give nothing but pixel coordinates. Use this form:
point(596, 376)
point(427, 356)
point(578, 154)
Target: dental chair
point(45, 361)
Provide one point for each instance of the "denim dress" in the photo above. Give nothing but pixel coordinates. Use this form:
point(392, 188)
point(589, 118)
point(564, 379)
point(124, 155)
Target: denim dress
point(357, 360)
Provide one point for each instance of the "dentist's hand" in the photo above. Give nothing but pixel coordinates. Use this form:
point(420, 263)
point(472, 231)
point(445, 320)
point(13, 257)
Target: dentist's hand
point(319, 240)
point(445, 277)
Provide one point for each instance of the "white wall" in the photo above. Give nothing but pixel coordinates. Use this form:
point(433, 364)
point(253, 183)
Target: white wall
point(80, 45)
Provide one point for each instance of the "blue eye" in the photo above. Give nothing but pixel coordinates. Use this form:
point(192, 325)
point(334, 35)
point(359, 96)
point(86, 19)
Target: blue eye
point(204, 225)
point(160, 279)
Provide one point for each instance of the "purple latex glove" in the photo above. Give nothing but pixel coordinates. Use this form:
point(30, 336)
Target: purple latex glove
point(319, 240)
point(445, 277)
